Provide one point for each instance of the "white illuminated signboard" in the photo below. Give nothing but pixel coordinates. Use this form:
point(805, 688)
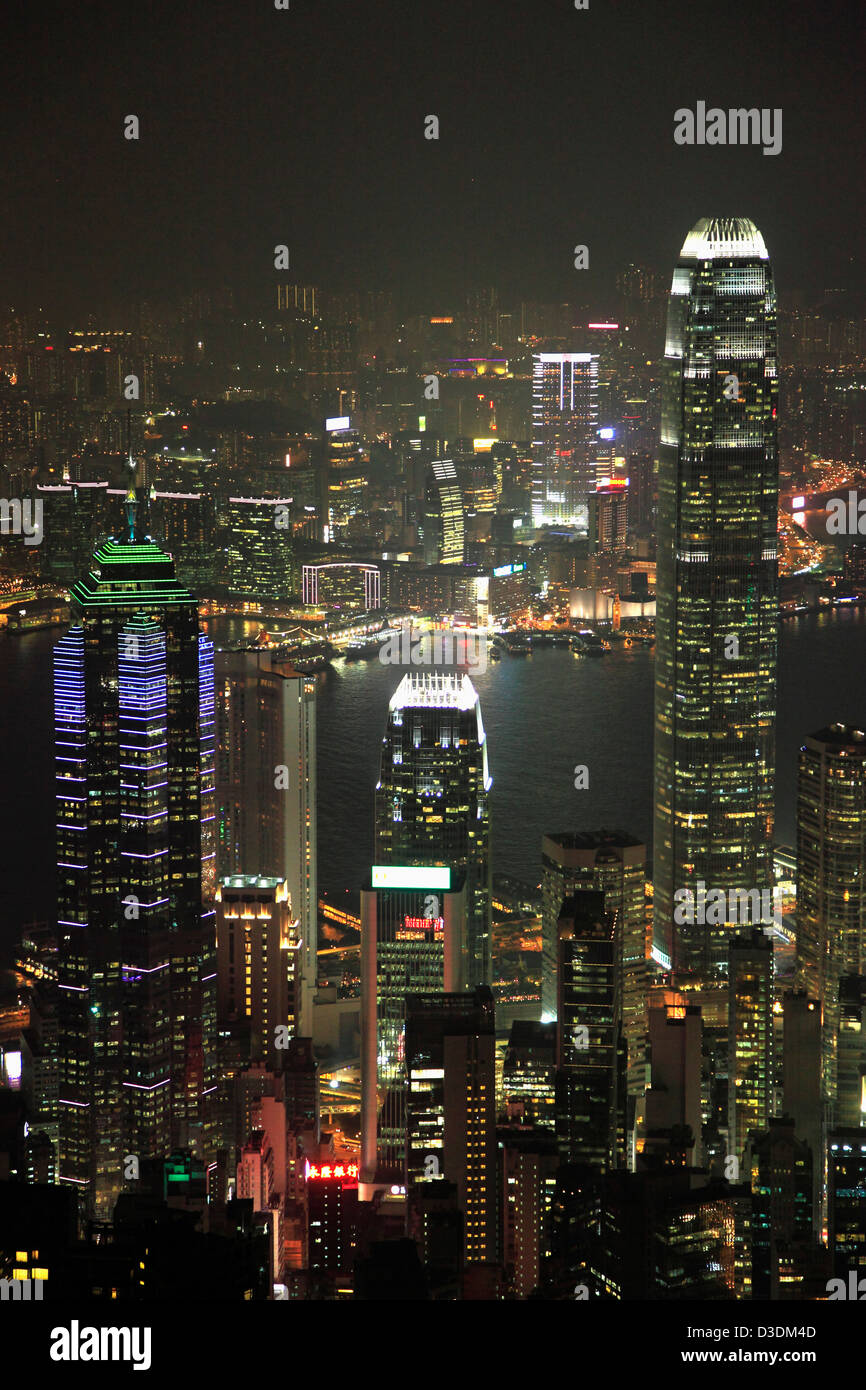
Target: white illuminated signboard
point(410, 876)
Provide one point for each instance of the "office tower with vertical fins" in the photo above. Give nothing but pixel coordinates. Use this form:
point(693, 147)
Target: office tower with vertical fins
point(134, 719)
point(413, 922)
point(717, 589)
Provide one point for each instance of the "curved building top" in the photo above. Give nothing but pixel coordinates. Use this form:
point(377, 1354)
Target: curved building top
point(418, 690)
point(724, 238)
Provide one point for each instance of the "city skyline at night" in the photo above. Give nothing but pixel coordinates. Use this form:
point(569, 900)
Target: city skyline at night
point(432, 638)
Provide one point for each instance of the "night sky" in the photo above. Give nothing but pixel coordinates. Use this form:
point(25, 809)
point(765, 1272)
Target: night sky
point(261, 126)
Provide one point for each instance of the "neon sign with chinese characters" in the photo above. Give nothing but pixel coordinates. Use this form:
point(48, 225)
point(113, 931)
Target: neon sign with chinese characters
point(345, 1172)
point(420, 928)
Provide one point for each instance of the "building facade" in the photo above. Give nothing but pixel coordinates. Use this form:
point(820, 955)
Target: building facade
point(413, 923)
point(266, 788)
point(564, 423)
point(717, 587)
point(135, 726)
point(433, 794)
point(831, 861)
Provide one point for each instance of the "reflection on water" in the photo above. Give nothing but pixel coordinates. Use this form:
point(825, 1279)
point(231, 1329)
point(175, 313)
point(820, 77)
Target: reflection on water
point(542, 714)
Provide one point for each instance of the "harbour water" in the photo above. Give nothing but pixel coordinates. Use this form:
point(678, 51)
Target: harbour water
point(543, 715)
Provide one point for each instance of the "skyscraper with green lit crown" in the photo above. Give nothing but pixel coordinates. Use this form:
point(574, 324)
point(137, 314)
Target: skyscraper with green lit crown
point(134, 721)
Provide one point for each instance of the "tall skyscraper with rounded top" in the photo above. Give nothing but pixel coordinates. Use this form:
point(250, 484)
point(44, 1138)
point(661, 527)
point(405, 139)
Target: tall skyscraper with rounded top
point(717, 590)
point(432, 797)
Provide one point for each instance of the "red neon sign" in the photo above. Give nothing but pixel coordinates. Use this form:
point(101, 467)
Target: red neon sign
point(419, 928)
point(332, 1171)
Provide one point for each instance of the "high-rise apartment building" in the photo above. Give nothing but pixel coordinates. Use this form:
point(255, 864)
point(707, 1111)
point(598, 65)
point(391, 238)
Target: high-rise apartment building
point(432, 797)
point(266, 789)
point(717, 589)
point(608, 518)
point(564, 423)
point(134, 720)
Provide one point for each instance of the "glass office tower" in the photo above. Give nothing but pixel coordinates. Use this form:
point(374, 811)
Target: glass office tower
point(717, 589)
point(134, 720)
point(432, 797)
point(831, 859)
point(444, 529)
point(266, 720)
point(413, 920)
point(564, 422)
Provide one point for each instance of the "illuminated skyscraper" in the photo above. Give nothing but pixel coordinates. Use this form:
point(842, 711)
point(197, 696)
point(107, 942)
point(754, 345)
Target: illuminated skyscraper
point(348, 466)
point(260, 560)
point(266, 788)
point(717, 588)
point(750, 1037)
point(851, 1052)
point(134, 718)
point(529, 1073)
point(564, 422)
point(451, 1107)
point(432, 797)
point(258, 954)
point(412, 940)
point(444, 520)
point(831, 863)
point(590, 1054)
point(614, 863)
